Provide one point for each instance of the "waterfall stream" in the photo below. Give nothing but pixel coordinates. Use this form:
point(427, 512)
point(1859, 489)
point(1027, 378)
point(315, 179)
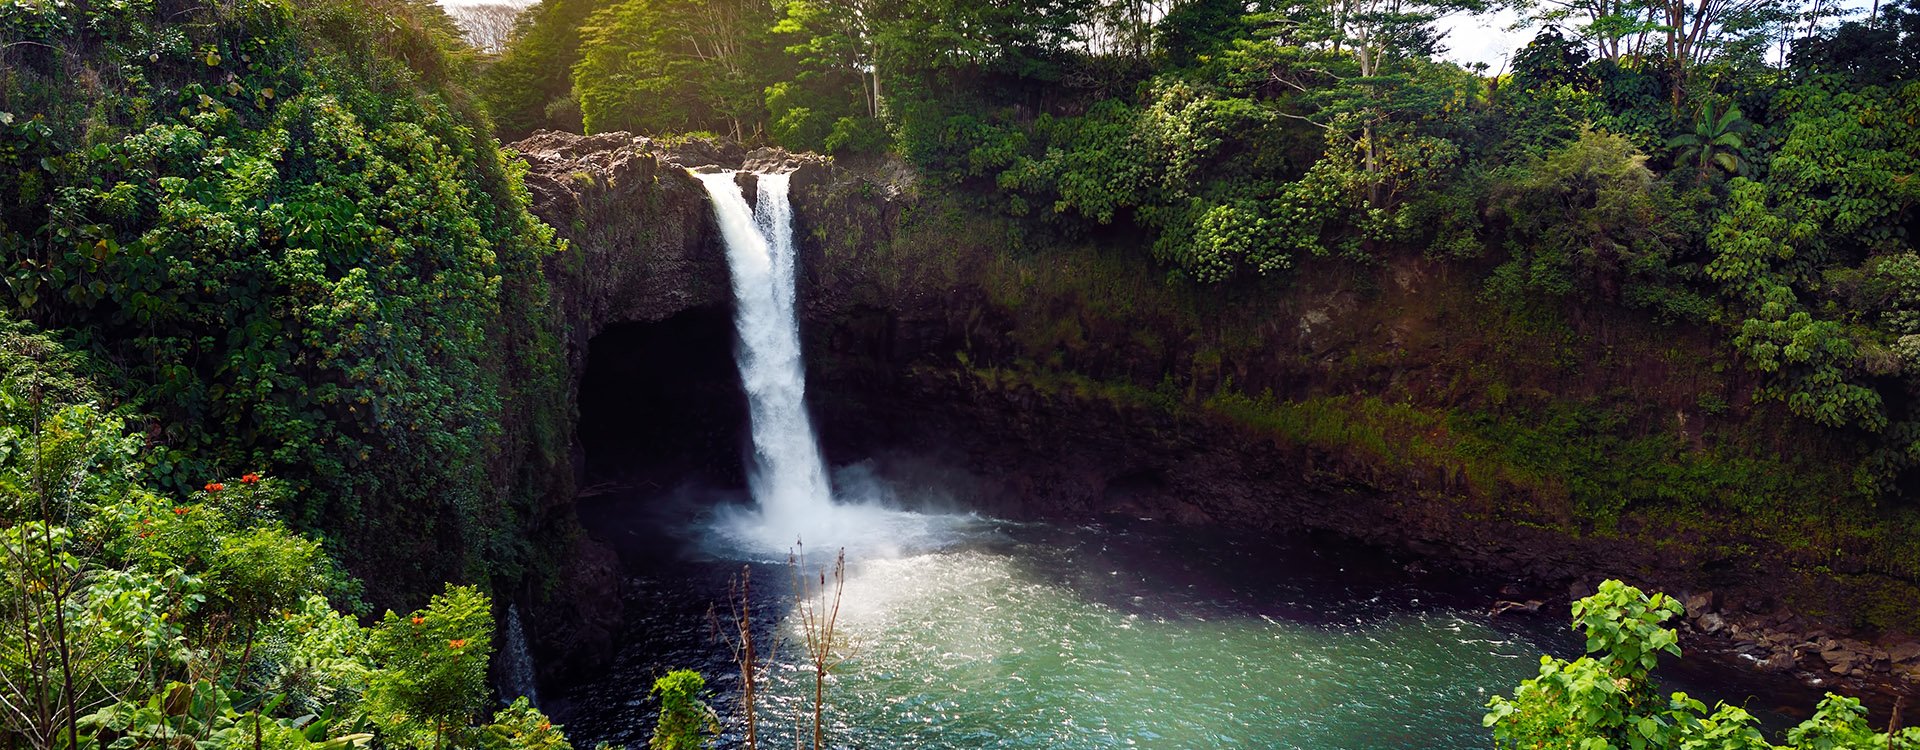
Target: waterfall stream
point(787, 476)
point(516, 668)
point(789, 481)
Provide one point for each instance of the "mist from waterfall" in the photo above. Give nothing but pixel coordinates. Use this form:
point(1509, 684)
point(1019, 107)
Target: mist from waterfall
point(789, 480)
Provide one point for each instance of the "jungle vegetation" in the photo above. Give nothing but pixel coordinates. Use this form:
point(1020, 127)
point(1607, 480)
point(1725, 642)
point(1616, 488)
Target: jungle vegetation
point(273, 306)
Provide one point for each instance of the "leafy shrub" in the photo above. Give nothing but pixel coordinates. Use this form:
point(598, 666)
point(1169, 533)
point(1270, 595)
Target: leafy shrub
point(685, 721)
point(432, 668)
point(1606, 700)
point(1587, 219)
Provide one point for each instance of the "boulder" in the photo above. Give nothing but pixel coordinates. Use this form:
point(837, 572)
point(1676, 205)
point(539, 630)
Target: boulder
point(1698, 603)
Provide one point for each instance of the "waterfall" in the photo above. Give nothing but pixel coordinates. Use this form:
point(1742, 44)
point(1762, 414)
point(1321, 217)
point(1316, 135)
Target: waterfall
point(516, 663)
point(788, 479)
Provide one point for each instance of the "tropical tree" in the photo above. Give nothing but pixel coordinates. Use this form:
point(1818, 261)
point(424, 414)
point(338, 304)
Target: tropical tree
point(672, 66)
point(1717, 140)
point(530, 85)
point(1363, 74)
point(841, 36)
point(1613, 29)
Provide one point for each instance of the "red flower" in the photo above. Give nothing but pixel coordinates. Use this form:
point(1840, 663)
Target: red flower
point(215, 486)
point(418, 620)
point(181, 511)
point(249, 478)
point(145, 534)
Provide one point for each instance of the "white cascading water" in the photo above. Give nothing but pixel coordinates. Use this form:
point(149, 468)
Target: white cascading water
point(788, 478)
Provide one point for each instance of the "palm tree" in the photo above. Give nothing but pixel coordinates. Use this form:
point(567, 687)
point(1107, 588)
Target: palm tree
point(1715, 141)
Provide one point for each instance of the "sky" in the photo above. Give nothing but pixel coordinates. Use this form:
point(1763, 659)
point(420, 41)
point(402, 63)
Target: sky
point(1483, 39)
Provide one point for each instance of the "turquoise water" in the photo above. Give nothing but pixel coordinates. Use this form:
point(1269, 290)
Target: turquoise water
point(1109, 636)
point(985, 649)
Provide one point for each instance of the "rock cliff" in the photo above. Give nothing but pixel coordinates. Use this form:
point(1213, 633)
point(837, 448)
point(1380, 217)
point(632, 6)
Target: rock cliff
point(1387, 403)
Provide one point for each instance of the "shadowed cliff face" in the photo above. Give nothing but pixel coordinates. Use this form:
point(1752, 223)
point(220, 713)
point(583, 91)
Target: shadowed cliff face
point(640, 251)
point(1387, 403)
point(643, 299)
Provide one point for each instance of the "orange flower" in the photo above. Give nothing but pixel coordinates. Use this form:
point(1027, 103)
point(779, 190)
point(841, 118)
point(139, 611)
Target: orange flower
point(546, 725)
point(249, 478)
point(145, 534)
point(457, 643)
point(417, 620)
point(181, 511)
point(215, 486)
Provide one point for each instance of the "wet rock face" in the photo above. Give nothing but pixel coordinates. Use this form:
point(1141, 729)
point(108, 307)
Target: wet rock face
point(641, 245)
point(641, 248)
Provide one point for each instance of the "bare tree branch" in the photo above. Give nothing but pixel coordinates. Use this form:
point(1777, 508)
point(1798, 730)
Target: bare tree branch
point(488, 26)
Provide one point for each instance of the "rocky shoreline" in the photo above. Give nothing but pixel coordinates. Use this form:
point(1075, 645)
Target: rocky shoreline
point(1782, 642)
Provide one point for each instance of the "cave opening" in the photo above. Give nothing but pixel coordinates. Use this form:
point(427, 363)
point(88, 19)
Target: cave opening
point(661, 403)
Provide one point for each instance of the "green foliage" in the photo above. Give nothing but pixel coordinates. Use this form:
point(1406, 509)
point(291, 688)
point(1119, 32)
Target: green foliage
point(686, 722)
point(1840, 723)
point(204, 712)
point(1606, 700)
point(139, 616)
point(432, 670)
point(674, 66)
point(530, 86)
point(289, 238)
point(1843, 167)
point(1623, 626)
point(520, 726)
point(1815, 357)
point(1589, 218)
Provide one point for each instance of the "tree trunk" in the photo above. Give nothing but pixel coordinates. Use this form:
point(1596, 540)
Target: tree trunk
point(873, 107)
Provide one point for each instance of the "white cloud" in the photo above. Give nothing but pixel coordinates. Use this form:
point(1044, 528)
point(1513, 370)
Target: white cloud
point(1483, 38)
